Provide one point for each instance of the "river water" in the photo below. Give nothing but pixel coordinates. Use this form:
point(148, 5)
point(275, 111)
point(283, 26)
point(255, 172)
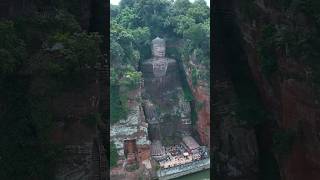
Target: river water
point(202, 175)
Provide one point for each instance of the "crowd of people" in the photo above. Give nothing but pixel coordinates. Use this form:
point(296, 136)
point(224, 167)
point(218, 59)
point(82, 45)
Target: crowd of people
point(203, 152)
point(176, 150)
point(178, 154)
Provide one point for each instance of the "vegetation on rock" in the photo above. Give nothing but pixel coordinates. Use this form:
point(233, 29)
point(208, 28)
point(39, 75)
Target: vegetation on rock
point(113, 155)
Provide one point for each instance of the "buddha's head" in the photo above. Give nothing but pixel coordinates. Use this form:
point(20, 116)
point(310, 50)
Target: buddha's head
point(158, 47)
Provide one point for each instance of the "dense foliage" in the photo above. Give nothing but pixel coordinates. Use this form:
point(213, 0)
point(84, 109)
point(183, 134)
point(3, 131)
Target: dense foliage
point(296, 38)
point(118, 106)
point(40, 55)
point(288, 48)
point(113, 155)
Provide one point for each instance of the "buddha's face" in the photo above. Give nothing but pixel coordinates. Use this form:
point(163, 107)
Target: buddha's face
point(158, 50)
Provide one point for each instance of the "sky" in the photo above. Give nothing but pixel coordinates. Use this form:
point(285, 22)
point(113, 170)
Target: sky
point(115, 2)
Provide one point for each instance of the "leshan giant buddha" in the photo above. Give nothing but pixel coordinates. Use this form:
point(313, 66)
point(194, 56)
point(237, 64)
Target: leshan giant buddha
point(170, 113)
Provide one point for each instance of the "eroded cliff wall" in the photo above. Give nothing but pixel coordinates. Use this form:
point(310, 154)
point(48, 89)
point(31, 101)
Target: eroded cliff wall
point(235, 145)
point(280, 41)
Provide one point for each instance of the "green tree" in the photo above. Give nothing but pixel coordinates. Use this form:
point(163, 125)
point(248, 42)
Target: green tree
point(153, 14)
point(127, 3)
point(127, 18)
point(37, 28)
point(118, 104)
point(113, 155)
point(199, 11)
point(114, 10)
point(116, 52)
point(197, 34)
point(131, 79)
point(181, 23)
point(181, 6)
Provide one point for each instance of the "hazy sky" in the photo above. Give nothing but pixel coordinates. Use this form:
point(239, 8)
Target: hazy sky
point(117, 2)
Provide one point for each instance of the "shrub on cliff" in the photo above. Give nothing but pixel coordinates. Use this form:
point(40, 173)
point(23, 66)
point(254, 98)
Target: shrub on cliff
point(113, 155)
point(131, 79)
point(36, 28)
point(194, 76)
point(80, 50)
point(188, 96)
point(118, 105)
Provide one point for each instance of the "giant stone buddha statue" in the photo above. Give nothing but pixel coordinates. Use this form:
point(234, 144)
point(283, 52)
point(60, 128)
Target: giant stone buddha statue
point(164, 96)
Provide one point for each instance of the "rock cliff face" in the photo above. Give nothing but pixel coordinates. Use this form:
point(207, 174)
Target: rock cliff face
point(285, 85)
point(235, 145)
point(289, 93)
point(201, 93)
point(70, 109)
point(133, 127)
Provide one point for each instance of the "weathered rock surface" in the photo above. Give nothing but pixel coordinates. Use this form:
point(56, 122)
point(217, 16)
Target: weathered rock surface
point(201, 93)
point(69, 108)
point(133, 127)
point(289, 94)
point(235, 146)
